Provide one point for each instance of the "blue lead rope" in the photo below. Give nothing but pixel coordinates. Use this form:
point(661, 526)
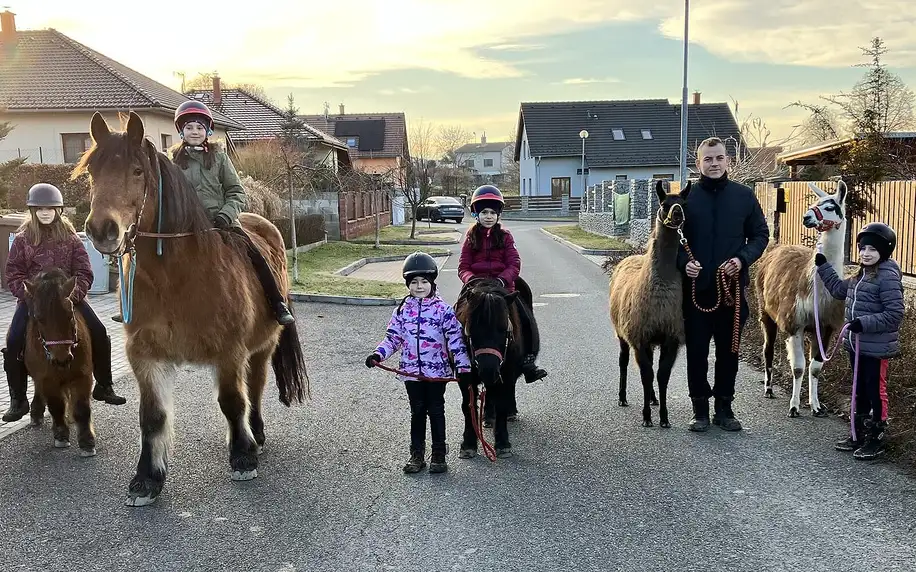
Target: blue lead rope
point(127, 282)
point(159, 227)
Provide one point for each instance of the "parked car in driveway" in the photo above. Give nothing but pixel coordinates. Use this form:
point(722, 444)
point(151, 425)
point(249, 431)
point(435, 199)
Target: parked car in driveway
point(441, 209)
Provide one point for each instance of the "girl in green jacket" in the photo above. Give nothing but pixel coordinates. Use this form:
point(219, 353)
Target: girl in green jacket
point(209, 170)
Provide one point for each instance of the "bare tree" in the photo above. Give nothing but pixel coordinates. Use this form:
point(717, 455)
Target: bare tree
point(417, 179)
point(756, 150)
point(823, 124)
point(511, 168)
point(453, 173)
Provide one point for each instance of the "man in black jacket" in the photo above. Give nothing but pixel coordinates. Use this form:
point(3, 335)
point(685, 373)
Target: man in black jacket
point(725, 228)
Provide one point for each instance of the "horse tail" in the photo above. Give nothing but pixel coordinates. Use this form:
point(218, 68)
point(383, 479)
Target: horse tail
point(289, 366)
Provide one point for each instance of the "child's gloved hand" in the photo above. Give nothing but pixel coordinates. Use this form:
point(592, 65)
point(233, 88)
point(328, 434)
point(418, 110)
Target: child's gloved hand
point(855, 326)
point(819, 259)
point(373, 360)
point(222, 221)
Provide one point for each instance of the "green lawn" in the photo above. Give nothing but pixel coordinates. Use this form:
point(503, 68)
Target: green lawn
point(574, 234)
point(403, 232)
point(316, 269)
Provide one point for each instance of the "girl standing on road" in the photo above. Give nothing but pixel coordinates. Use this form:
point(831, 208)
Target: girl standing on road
point(489, 251)
point(47, 240)
point(874, 311)
point(425, 329)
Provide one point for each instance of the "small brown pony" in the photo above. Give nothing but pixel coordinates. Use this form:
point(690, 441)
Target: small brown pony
point(196, 299)
point(58, 356)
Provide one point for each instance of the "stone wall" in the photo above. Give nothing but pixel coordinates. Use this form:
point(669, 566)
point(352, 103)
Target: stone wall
point(621, 209)
point(325, 204)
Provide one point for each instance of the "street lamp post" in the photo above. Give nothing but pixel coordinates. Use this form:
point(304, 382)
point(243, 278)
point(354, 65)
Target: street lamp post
point(684, 100)
point(583, 135)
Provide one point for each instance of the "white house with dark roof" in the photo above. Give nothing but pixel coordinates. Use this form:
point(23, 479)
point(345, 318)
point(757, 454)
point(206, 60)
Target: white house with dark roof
point(264, 121)
point(627, 139)
point(486, 160)
point(50, 85)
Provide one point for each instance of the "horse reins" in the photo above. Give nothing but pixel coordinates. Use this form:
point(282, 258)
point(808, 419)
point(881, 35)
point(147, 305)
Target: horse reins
point(728, 289)
point(476, 415)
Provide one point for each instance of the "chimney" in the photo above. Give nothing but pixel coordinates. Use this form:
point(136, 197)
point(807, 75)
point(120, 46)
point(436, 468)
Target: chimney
point(7, 27)
point(483, 138)
point(696, 98)
point(217, 91)
point(342, 109)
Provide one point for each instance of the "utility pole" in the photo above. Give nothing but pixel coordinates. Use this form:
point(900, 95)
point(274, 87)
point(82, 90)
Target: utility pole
point(684, 99)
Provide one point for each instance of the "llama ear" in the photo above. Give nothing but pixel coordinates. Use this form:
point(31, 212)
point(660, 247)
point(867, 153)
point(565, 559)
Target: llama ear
point(135, 129)
point(686, 190)
point(98, 128)
point(817, 190)
point(660, 191)
point(841, 191)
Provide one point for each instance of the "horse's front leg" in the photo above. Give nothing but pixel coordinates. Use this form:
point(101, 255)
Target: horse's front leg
point(155, 380)
point(469, 442)
point(233, 400)
point(502, 391)
point(82, 416)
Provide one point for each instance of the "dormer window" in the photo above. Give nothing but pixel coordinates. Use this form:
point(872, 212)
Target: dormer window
point(352, 142)
point(646, 134)
point(618, 134)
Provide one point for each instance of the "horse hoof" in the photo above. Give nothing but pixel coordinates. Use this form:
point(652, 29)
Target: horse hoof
point(467, 453)
point(260, 449)
point(504, 452)
point(769, 394)
point(488, 423)
point(653, 401)
point(512, 418)
point(140, 501)
point(623, 403)
point(647, 423)
point(793, 413)
point(244, 475)
point(36, 421)
point(61, 444)
point(87, 452)
point(820, 412)
point(664, 424)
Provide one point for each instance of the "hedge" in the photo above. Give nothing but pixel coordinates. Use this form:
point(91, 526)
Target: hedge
point(309, 229)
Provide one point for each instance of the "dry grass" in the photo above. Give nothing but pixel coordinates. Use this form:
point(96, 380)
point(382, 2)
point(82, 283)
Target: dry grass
point(263, 200)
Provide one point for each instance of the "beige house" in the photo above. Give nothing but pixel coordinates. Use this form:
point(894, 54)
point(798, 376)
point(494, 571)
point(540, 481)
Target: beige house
point(50, 85)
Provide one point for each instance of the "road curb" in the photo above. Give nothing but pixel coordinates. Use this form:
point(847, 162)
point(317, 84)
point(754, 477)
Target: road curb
point(409, 242)
point(359, 300)
point(584, 251)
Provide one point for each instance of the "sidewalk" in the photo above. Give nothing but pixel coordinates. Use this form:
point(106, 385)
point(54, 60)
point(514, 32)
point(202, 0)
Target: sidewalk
point(105, 305)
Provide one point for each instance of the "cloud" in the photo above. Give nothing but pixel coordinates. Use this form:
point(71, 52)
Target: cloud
point(586, 81)
point(405, 90)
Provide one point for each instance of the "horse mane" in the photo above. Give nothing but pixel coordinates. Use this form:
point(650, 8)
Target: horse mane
point(483, 302)
point(46, 294)
point(182, 209)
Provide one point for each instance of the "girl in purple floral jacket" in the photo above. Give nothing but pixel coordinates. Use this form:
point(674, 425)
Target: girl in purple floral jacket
point(425, 329)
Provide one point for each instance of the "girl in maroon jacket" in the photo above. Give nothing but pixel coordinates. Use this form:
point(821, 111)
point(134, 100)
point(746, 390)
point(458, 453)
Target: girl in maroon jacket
point(489, 251)
point(48, 240)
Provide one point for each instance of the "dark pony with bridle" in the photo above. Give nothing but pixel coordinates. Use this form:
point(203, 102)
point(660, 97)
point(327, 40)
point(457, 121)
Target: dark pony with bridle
point(58, 356)
point(495, 340)
point(189, 295)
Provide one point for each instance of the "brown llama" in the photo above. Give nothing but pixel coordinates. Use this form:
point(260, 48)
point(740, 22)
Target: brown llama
point(58, 356)
point(785, 275)
point(645, 305)
point(196, 300)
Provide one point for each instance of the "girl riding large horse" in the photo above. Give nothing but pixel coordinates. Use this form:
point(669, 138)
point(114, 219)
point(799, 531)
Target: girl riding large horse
point(489, 251)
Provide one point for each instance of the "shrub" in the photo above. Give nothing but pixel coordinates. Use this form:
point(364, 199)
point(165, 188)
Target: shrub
point(309, 229)
point(263, 200)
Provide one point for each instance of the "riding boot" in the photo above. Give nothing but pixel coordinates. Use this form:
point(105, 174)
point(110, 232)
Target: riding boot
point(700, 421)
point(17, 379)
point(268, 282)
point(118, 318)
point(876, 431)
point(849, 444)
point(437, 462)
point(101, 366)
point(532, 344)
point(724, 417)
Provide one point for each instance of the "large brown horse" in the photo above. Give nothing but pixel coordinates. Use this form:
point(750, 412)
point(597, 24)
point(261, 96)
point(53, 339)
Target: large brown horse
point(58, 356)
point(190, 296)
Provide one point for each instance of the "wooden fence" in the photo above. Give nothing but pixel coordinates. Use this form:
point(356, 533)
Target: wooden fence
point(895, 205)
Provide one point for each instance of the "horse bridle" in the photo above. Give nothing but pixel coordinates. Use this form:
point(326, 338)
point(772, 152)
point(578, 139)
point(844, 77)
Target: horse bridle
point(823, 225)
point(74, 343)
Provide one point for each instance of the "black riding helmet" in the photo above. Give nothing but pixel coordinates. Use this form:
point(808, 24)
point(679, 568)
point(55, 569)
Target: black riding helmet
point(45, 195)
point(880, 236)
point(420, 264)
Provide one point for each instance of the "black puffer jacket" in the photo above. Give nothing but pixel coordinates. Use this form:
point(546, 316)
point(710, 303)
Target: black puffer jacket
point(874, 296)
point(724, 221)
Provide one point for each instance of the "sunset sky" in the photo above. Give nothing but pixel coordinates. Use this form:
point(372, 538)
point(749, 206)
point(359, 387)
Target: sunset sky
point(471, 63)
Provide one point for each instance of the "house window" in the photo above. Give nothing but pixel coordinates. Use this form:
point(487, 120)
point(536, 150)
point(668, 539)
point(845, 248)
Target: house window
point(488, 162)
point(352, 142)
point(646, 134)
point(166, 141)
point(579, 171)
point(618, 134)
point(469, 163)
point(620, 177)
point(75, 144)
point(668, 177)
point(524, 186)
point(560, 187)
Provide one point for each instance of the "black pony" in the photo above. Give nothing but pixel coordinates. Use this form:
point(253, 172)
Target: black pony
point(495, 340)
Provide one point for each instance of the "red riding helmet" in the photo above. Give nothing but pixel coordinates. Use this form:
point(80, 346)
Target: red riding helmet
point(487, 196)
point(193, 111)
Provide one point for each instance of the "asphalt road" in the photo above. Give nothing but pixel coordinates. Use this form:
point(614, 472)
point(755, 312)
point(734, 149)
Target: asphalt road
point(587, 489)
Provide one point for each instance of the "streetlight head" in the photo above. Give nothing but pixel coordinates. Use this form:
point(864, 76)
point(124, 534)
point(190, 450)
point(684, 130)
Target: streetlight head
point(583, 134)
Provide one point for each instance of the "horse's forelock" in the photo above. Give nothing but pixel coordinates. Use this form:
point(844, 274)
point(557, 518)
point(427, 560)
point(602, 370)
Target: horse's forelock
point(47, 294)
